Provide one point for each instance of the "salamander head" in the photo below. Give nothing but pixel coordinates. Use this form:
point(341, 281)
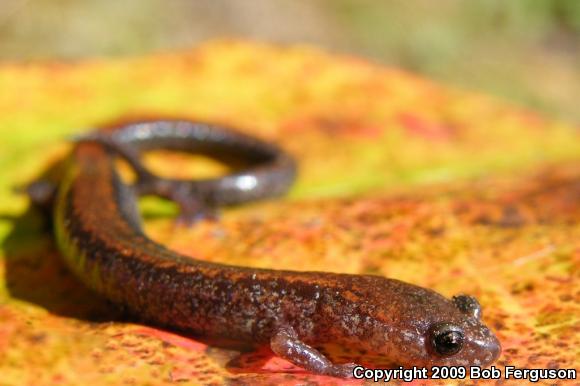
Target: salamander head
point(414, 326)
point(463, 340)
point(447, 333)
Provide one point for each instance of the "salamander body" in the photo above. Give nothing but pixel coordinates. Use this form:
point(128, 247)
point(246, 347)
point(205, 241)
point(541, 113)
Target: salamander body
point(98, 231)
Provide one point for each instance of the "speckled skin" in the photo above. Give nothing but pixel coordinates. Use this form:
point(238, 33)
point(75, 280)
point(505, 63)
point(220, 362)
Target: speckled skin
point(98, 231)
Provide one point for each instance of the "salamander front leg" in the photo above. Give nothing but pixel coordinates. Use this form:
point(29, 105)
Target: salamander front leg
point(286, 344)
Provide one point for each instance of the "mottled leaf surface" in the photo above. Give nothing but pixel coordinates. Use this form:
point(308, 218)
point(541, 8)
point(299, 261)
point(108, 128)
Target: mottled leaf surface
point(399, 176)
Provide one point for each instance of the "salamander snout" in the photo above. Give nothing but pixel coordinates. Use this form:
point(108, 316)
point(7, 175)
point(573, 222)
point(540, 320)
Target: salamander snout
point(491, 345)
point(465, 340)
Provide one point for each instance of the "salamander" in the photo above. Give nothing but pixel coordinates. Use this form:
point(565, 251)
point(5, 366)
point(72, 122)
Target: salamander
point(98, 231)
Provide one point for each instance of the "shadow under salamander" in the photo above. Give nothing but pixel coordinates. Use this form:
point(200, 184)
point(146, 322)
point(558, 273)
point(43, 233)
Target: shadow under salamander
point(36, 274)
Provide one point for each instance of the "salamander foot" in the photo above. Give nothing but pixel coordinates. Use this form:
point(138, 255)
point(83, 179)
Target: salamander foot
point(286, 344)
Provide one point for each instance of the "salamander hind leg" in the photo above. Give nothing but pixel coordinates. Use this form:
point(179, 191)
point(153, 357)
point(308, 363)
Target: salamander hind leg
point(192, 201)
point(193, 207)
point(286, 344)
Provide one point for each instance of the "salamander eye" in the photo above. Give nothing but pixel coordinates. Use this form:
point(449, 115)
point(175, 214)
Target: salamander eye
point(446, 339)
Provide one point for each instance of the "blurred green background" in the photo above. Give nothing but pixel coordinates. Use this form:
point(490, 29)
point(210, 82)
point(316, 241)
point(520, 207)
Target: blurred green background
point(525, 50)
